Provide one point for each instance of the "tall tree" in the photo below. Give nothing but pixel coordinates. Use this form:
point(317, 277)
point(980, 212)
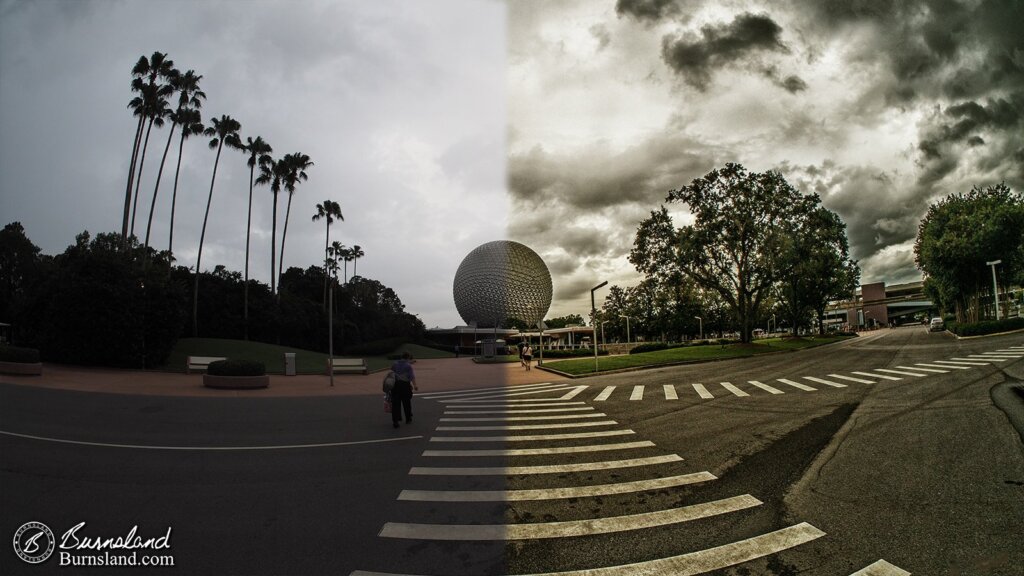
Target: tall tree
point(136, 105)
point(294, 172)
point(191, 125)
point(189, 97)
point(734, 243)
point(270, 174)
point(259, 154)
point(959, 235)
point(224, 131)
point(153, 82)
point(328, 210)
point(357, 253)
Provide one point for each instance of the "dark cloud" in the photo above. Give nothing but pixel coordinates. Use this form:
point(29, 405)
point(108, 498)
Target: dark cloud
point(696, 58)
point(647, 10)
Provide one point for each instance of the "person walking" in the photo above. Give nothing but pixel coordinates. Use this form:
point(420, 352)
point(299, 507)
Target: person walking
point(528, 356)
point(401, 394)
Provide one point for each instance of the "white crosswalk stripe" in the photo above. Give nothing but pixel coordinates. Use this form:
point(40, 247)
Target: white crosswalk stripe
point(533, 437)
point(521, 418)
point(525, 411)
point(638, 393)
point(881, 568)
point(573, 393)
point(931, 370)
point(969, 360)
point(961, 363)
point(954, 366)
point(825, 382)
point(526, 426)
point(670, 392)
point(703, 392)
point(797, 385)
point(879, 376)
point(851, 379)
point(728, 386)
point(989, 358)
point(605, 394)
point(901, 372)
point(538, 451)
point(554, 493)
point(765, 387)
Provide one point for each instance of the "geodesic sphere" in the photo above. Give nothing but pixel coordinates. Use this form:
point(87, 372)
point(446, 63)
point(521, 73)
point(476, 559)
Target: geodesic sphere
point(501, 280)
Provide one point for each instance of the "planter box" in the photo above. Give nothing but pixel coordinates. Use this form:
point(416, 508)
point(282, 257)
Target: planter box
point(21, 368)
point(236, 382)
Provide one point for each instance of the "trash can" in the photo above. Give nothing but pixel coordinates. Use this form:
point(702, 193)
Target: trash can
point(289, 364)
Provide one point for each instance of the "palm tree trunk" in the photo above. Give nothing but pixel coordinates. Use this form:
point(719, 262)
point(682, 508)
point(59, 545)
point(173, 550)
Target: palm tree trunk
point(202, 237)
point(327, 241)
point(248, 228)
point(174, 199)
point(273, 249)
point(159, 174)
point(284, 236)
point(138, 180)
point(131, 177)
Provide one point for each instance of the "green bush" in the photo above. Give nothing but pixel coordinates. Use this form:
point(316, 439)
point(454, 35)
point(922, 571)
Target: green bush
point(19, 355)
point(236, 368)
point(985, 327)
point(573, 353)
point(652, 347)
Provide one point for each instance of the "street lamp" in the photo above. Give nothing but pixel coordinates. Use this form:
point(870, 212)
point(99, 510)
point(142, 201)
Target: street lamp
point(701, 321)
point(995, 287)
point(593, 316)
point(627, 327)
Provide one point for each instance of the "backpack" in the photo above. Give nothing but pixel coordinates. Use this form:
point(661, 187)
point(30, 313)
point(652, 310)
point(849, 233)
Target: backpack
point(389, 382)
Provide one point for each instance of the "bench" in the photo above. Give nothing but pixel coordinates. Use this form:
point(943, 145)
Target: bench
point(344, 365)
point(200, 362)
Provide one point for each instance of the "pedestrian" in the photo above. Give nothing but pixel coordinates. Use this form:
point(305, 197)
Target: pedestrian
point(527, 356)
point(401, 394)
point(521, 346)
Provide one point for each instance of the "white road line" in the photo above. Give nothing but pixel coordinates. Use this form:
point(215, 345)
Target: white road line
point(475, 532)
point(521, 418)
point(851, 379)
point(873, 375)
point(766, 388)
point(605, 394)
point(491, 397)
point(206, 448)
point(933, 370)
point(972, 360)
point(796, 385)
point(573, 393)
point(900, 372)
point(699, 562)
point(539, 451)
point(703, 392)
point(670, 392)
point(638, 393)
point(968, 363)
point(728, 386)
point(980, 357)
point(547, 469)
point(484, 390)
point(825, 382)
point(553, 493)
point(944, 366)
point(1002, 355)
point(514, 405)
point(523, 401)
point(1010, 351)
point(524, 426)
point(881, 568)
point(533, 437)
point(515, 411)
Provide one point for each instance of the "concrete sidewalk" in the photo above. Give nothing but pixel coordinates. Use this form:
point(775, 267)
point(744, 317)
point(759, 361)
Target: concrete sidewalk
point(431, 376)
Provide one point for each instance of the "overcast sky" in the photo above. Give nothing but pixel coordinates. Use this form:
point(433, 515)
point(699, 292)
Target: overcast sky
point(879, 106)
point(414, 112)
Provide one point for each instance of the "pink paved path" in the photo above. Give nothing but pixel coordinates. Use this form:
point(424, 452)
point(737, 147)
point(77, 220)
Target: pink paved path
point(431, 376)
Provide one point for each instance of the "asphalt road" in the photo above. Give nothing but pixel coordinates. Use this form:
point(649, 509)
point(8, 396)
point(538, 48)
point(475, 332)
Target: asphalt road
point(924, 472)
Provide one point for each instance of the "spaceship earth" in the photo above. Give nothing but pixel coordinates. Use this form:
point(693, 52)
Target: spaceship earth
point(501, 280)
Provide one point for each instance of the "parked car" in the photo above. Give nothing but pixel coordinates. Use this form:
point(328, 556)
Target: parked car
point(936, 325)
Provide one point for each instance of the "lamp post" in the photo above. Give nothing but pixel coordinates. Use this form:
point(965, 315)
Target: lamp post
point(628, 340)
point(593, 316)
point(701, 321)
point(995, 287)
point(332, 270)
point(603, 341)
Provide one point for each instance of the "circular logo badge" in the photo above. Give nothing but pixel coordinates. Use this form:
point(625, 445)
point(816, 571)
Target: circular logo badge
point(34, 542)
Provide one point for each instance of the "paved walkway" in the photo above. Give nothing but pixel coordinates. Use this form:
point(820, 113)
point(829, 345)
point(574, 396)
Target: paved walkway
point(431, 376)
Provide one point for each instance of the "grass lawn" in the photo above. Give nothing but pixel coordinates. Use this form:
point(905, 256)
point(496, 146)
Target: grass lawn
point(578, 367)
point(272, 355)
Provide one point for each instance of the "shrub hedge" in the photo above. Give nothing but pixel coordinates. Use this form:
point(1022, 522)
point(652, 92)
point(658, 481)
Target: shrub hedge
point(19, 355)
point(985, 327)
point(236, 368)
point(574, 353)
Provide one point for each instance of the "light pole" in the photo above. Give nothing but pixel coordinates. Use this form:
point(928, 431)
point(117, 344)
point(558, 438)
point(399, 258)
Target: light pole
point(627, 327)
point(701, 321)
point(332, 269)
point(603, 341)
point(593, 316)
point(995, 287)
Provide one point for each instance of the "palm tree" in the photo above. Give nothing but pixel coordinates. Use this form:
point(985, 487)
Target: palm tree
point(224, 131)
point(154, 106)
point(189, 97)
point(271, 173)
point(329, 210)
point(357, 253)
point(259, 153)
point(293, 172)
point(191, 125)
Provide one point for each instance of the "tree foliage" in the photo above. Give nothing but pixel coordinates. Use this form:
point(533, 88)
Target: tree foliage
point(959, 235)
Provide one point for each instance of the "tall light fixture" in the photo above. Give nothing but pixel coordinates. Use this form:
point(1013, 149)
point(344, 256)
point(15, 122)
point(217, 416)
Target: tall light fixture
point(995, 287)
point(593, 317)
